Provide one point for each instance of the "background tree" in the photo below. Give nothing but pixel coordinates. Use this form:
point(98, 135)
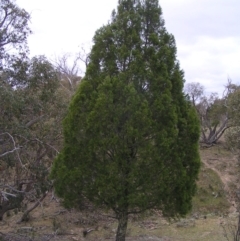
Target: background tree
point(13, 36)
point(33, 104)
point(31, 111)
point(14, 30)
point(233, 133)
point(131, 136)
point(213, 111)
point(68, 70)
point(30, 132)
point(195, 92)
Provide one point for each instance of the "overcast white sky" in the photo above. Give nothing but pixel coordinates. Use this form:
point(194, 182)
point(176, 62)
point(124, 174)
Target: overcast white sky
point(207, 33)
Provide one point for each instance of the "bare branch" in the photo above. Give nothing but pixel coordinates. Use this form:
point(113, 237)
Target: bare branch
point(43, 143)
point(32, 122)
point(5, 194)
point(14, 145)
point(9, 152)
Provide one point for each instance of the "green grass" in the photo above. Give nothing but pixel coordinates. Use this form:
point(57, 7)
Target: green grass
point(210, 196)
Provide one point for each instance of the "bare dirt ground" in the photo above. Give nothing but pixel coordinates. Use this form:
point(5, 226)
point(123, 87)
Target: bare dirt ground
point(51, 221)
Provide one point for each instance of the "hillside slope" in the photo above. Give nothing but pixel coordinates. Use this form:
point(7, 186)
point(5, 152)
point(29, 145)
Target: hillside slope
point(214, 208)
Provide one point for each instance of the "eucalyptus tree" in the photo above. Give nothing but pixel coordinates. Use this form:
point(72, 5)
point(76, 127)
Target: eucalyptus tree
point(30, 131)
point(14, 31)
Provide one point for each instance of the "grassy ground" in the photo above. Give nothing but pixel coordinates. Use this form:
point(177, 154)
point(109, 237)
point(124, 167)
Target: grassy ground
point(210, 197)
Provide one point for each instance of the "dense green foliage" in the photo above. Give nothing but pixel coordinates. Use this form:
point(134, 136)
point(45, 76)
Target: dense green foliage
point(131, 136)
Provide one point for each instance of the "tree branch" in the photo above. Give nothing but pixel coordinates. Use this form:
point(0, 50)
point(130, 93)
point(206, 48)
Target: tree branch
point(32, 122)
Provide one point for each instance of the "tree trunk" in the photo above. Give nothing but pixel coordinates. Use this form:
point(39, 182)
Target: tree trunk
point(25, 216)
point(1, 214)
point(122, 226)
point(4, 209)
point(12, 203)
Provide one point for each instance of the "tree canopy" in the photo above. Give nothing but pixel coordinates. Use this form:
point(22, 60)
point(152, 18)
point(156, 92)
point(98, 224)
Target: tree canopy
point(30, 132)
point(14, 31)
point(32, 106)
point(215, 113)
point(130, 135)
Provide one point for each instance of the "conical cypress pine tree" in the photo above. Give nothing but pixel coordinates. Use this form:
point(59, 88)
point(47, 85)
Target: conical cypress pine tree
point(131, 136)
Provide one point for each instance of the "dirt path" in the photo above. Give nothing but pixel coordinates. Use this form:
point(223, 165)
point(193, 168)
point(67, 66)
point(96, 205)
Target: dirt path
point(227, 174)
